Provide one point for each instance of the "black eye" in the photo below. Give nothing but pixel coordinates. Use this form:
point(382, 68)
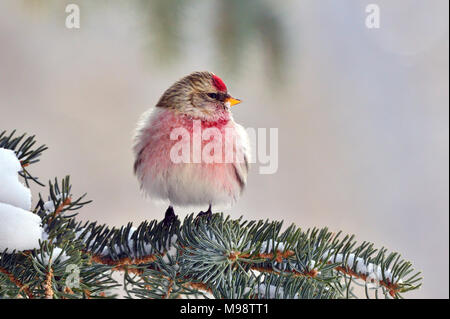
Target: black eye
point(212, 95)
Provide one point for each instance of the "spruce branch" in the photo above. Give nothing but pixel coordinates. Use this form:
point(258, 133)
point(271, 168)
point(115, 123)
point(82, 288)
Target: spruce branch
point(218, 257)
point(23, 147)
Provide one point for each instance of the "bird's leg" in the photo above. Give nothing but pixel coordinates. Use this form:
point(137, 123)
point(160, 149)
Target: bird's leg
point(170, 216)
point(206, 214)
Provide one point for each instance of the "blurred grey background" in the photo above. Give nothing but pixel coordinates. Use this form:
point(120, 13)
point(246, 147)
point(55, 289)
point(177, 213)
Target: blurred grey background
point(362, 113)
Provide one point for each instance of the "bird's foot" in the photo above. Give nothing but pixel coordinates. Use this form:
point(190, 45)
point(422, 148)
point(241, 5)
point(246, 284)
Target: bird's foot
point(170, 216)
point(207, 214)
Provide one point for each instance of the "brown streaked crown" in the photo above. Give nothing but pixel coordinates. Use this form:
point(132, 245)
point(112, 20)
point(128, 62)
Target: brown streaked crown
point(180, 93)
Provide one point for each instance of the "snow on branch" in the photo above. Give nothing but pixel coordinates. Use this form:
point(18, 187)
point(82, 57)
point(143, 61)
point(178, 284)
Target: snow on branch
point(20, 228)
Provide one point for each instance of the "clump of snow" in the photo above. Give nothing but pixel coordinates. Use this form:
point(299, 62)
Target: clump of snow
point(272, 292)
point(12, 191)
point(271, 245)
point(373, 272)
point(171, 252)
point(49, 206)
point(57, 254)
point(19, 229)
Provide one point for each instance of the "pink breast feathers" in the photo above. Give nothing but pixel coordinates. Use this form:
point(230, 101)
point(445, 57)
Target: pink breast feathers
point(159, 141)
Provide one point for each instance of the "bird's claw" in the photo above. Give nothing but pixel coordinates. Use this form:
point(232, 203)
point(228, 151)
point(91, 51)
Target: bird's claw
point(207, 214)
point(169, 217)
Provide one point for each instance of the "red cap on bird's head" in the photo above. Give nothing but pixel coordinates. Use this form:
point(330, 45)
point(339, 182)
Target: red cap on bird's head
point(218, 83)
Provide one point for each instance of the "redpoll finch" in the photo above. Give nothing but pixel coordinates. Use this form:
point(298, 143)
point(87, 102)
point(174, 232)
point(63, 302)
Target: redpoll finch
point(214, 164)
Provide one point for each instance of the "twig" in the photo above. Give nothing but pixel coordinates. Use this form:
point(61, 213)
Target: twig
point(60, 208)
point(48, 284)
point(17, 282)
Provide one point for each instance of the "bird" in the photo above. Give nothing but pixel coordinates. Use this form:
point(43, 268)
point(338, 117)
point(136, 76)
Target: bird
point(198, 101)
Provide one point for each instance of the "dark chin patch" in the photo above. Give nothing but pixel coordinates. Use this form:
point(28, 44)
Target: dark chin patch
point(218, 83)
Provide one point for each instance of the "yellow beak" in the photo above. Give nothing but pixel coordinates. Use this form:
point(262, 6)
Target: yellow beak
point(232, 101)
